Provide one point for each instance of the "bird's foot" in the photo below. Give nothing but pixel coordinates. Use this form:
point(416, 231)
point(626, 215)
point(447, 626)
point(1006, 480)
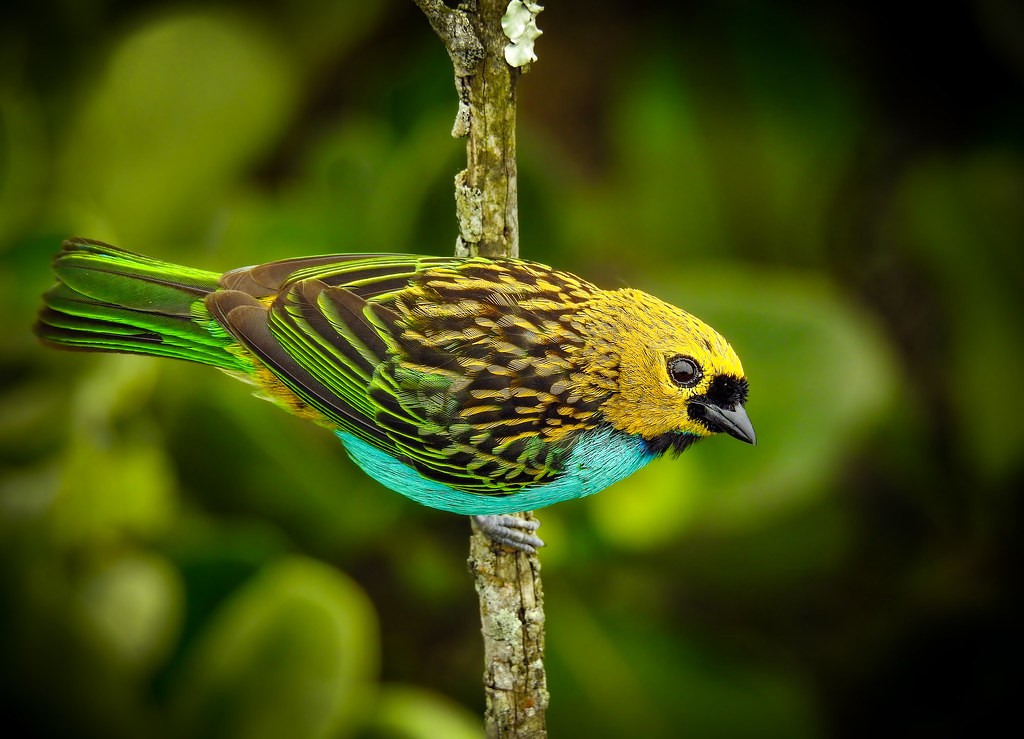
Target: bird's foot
point(511, 531)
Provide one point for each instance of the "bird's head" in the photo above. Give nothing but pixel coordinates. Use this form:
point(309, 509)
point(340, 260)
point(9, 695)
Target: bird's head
point(675, 379)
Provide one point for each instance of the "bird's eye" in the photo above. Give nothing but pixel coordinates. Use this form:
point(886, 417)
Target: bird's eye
point(683, 371)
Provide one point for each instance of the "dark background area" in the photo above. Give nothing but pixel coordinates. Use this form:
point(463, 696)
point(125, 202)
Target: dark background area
point(836, 187)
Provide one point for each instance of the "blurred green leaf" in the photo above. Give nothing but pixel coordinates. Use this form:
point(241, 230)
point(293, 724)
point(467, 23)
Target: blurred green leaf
point(209, 90)
point(661, 154)
point(405, 712)
point(109, 490)
point(131, 605)
point(115, 481)
point(292, 653)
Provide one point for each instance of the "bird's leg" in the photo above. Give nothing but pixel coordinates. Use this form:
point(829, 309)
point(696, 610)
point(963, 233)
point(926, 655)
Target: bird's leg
point(511, 531)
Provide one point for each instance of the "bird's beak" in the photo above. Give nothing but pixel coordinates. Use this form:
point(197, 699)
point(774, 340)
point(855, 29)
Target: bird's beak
point(733, 421)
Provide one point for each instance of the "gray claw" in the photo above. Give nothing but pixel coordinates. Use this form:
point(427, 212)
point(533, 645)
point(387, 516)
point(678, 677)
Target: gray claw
point(511, 531)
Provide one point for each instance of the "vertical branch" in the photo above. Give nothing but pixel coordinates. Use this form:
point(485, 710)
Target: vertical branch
point(507, 582)
point(512, 622)
point(485, 191)
point(487, 109)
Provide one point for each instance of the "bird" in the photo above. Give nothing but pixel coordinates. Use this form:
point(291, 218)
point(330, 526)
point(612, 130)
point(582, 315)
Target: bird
point(479, 386)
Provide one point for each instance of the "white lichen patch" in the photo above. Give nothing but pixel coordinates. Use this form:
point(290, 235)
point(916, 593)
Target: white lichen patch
point(520, 26)
point(507, 626)
point(469, 207)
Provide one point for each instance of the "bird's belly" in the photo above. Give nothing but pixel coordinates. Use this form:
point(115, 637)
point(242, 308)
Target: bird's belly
point(600, 458)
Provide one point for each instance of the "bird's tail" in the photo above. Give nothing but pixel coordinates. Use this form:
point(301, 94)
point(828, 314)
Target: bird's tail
point(110, 300)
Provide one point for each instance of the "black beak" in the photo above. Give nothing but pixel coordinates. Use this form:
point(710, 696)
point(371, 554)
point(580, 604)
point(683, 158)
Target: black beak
point(732, 421)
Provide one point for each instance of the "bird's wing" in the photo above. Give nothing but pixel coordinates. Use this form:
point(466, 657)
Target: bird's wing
point(460, 369)
point(305, 320)
point(479, 379)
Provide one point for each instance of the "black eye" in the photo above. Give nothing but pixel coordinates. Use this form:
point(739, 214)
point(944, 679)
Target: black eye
point(683, 371)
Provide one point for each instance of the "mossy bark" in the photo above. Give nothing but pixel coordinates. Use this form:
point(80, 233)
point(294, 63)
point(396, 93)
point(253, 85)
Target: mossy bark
point(507, 582)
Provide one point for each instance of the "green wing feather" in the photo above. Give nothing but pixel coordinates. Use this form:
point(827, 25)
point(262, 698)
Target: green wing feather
point(317, 334)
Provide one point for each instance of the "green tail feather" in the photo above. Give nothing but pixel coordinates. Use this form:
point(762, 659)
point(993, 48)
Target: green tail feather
point(109, 300)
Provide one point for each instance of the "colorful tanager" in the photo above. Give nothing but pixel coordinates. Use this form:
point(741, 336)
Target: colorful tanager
point(479, 386)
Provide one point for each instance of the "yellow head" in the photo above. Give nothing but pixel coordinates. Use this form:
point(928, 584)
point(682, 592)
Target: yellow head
point(667, 376)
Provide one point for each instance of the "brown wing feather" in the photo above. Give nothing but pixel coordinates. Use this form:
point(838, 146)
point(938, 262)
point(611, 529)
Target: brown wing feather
point(248, 321)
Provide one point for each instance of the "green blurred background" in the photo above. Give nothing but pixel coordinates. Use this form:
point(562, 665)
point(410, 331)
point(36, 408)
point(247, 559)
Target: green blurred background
point(838, 188)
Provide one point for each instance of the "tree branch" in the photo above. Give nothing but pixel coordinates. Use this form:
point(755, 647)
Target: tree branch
point(507, 582)
point(512, 622)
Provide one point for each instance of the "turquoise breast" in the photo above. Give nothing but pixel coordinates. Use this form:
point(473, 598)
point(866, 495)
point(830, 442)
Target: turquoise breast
point(601, 457)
